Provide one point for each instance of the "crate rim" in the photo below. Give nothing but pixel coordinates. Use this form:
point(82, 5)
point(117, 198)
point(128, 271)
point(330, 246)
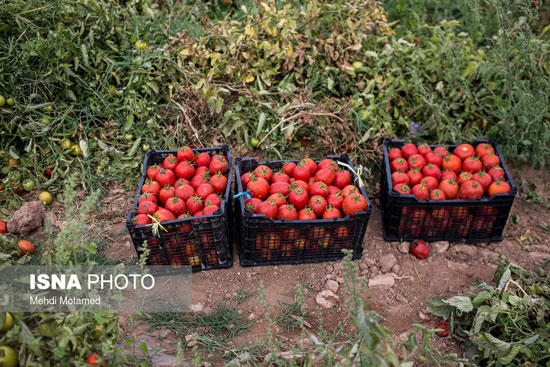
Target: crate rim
point(368, 210)
point(217, 213)
point(446, 202)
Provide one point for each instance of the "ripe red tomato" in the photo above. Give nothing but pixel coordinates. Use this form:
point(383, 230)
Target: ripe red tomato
point(246, 178)
point(181, 181)
point(415, 176)
point(163, 215)
point(403, 189)
point(319, 188)
point(217, 164)
point(420, 191)
point(47, 172)
point(324, 175)
point(399, 177)
point(349, 190)
point(443, 325)
point(278, 198)
point(452, 163)
point(141, 219)
point(209, 210)
point(147, 197)
point(166, 193)
point(287, 212)
point(449, 188)
point(268, 208)
point(151, 187)
point(399, 164)
point(302, 172)
point(252, 204)
point(443, 152)
point(311, 164)
point(464, 176)
point(185, 154)
point(258, 187)
point(499, 187)
point(199, 180)
point(332, 189)
point(434, 158)
point(490, 160)
point(432, 171)
point(175, 205)
point(306, 214)
point(166, 177)
point(342, 178)
point(194, 204)
point(328, 164)
point(300, 183)
point(203, 160)
point(471, 190)
point(394, 153)
point(496, 173)
point(437, 195)
point(218, 182)
point(147, 207)
point(472, 164)
point(424, 149)
point(213, 199)
point(353, 204)
point(420, 249)
point(280, 187)
point(170, 162)
point(335, 200)
point(448, 175)
point(202, 171)
point(185, 170)
point(3, 227)
point(288, 168)
point(318, 204)
point(95, 360)
point(25, 247)
point(483, 149)
point(203, 190)
point(298, 197)
point(408, 150)
point(184, 192)
point(464, 151)
point(280, 176)
point(430, 182)
point(152, 172)
point(484, 179)
point(331, 213)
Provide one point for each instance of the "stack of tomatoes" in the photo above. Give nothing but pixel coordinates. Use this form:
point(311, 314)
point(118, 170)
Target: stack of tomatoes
point(466, 173)
point(185, 185)
point(302, 191)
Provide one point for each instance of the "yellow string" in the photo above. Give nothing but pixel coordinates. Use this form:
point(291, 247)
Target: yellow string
point(357, 173)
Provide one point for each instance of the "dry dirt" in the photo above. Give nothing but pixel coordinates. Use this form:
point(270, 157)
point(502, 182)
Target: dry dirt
point(448, 273)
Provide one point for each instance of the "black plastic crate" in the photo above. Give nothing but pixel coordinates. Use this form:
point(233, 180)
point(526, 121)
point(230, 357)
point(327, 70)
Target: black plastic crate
point(272, 242)
point(202, 242)
point(404, 217)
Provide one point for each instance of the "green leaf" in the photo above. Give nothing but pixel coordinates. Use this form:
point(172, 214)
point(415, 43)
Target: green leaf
point(462, 303)
point(504, 278)
point(261, 123)
point(438, 307)
point(143, 348)
point(496, 342)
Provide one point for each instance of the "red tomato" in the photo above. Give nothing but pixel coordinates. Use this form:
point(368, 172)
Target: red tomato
point(342, 178)
point(437, 195)
point(430, 182)
point(280, 187)
point(490, 160)
point(280, 176)
point(163, 215)
point(258, 187)
point(209, 210)
point(471, 190)
point(147, 197)
point(443, 152)
point(434, 158)
point(298, 197)
point(202, 171)
point(331, 213)
point(420, 191)
point(288, 168)
point(185, 170)
point(335, 200)
point(194, 204)
point(449, 188)
point(246, 178)
point(484, 179)
point(311, 164)
point(252, 204)
point(448, 175)
point(324, 175)
point(318, 204)
point(180, 182)
point(353, 204)
point(175, 205)
point(499, 187)
point(184, 192)
point(203, 190)
point(472, 164)
point(263, 171)
point(464, 151)
point(319, 188)
point(268, 208)
point(141, 219)
point(166, 177)
point(328, 164)
point(25, 247)
point(170, 162)
point(185, 154)
point(483, 149)
point(420, 249)
point(444, 325)
point(424, 149)
point(95, 360)
point(496, 173)
point(203, 160)
point(3, 227)
point(278, 198)
point(399, 164)
point(147, 207)
point(218, 182)
point(350, 190)
point(394, 153)
point(287, 212)
point(415, 176)
point(399, 177)
point(302, 172)
point(452, 163)
point(300, 183)
point(218, 164)
point(408, 150)
point(213, 199)
point(151, 187)
point(306, 214)
point(199, 180)
point(431, 170)
point(152, 172)
point(464, 176)
point(403, 189)
point(166, 193)
point(332, 189)
point(416, 161)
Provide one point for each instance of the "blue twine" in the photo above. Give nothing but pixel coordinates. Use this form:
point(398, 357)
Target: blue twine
point(248, 197)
